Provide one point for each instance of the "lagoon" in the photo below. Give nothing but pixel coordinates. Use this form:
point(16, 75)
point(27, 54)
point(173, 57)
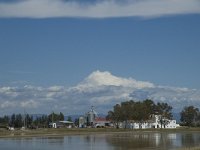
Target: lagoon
point(107, 141)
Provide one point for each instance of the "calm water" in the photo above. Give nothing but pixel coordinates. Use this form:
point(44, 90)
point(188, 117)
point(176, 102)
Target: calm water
point(122, 141)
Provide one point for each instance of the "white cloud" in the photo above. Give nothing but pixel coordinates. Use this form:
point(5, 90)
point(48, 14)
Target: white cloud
point(56, 88)
point(101, 89)
point(7, 104)
point(98, 79)
point(29, 104)
point(9, 91)
point(100, 9)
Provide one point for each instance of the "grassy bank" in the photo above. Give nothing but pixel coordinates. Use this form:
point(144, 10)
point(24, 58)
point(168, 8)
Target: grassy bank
point(77, 131)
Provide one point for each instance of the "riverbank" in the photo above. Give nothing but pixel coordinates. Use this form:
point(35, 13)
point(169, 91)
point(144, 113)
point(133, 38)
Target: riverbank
point(82, 131)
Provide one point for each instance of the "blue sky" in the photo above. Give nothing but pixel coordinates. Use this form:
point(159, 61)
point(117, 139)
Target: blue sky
point(64, 51)
point(46, 49)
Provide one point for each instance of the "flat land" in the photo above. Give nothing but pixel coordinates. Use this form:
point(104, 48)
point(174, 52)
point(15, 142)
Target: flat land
point(83, 131)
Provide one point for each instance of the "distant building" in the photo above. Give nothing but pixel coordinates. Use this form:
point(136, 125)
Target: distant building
point(101, 122)
point(82, 122)
point(170, 124)
point(91, 119)
point(154, 122)
point(91, 116)
point(11, 128)
point(61, 124)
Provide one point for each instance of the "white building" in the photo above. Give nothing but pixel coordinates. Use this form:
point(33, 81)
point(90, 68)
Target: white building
point(101, 122)
point(170, 124)
point(155, 122)
point(61, 124)
point(82, 122)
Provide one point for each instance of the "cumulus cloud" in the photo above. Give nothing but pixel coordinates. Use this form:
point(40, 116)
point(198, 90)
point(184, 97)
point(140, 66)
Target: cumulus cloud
point(97, 9)
point(177, 97)
point(29, 104)
point(100, 89)
point(7, 104)
point(99, 79)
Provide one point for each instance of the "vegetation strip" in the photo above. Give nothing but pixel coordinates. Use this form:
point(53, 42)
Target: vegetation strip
point(86, 131)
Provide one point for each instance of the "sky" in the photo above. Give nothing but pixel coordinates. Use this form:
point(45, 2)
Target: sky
point(89, 52)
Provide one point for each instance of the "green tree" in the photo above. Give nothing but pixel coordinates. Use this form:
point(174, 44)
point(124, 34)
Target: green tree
point(69, 118)
point(61, 116)
point(12, 120)
point(28, 120)
point(115, 115)
point(76, 122)
point(127, 111)
point(138, 111)
point(53, 117)
point(41, 122)
point(141, 113)
point(165, 112)
point(150, 106)
point(189, 115)
point(110, 115)
point(18, 121)
point(4, 120)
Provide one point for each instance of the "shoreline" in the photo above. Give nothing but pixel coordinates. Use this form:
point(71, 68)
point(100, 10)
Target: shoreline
point(49, 132)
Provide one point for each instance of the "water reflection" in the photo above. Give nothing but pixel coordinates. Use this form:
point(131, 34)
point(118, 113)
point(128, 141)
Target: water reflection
point(156, 141)
point(140, 141)
point(117, 141)
point(189, 140)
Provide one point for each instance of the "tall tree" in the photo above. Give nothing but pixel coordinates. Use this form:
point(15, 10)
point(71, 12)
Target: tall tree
point(4, 120)
point(150, 105)
point(69, 118)
point(12, 120)
point(189, 115)
point(115, 115)
point(76, 122)
point(42, 121)
point(126, 111)
point(165, 112)
point(18, 121)
point(141, 113)
point(53, 117)
point(28, 120)
point(61, 116)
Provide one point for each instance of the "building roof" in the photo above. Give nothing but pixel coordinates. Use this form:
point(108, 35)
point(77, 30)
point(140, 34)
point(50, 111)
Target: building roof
point(101, 119)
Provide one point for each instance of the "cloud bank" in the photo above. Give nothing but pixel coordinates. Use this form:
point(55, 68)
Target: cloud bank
point(97, 9)
point(100, 89)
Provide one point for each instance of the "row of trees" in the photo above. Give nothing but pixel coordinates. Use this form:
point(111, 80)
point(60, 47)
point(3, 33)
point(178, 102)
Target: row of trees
point(139, 111)
point(16, 120)
point(190, 116)
point(19, 120)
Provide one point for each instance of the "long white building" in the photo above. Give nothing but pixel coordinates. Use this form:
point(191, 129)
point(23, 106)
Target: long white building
point(155, 122)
